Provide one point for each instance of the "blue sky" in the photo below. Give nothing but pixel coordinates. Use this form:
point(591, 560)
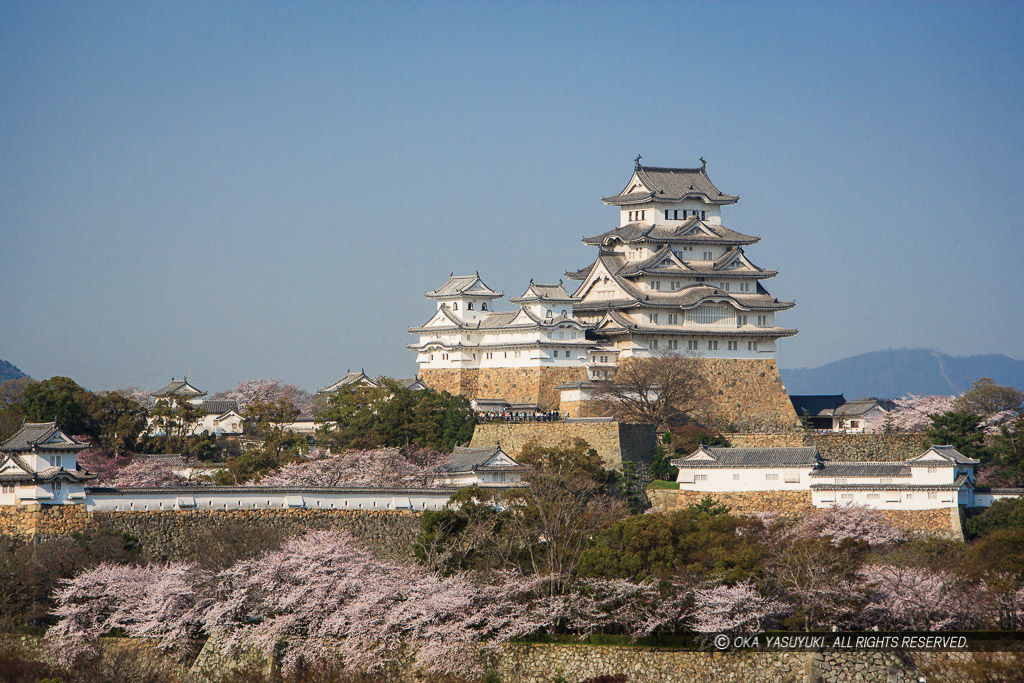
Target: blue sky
point(241, 190)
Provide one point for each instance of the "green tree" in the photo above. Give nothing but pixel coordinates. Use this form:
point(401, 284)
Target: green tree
point(391, 415)
point(998, 561)
point(691, 542)
point(1002, 514)
point(117, 421)
point(60, 400)
point(988, 398)
point(960, 430)
point(1007, 449)
point(177, 420)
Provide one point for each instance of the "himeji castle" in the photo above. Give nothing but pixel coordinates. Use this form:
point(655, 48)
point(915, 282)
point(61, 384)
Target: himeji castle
point(670, 278)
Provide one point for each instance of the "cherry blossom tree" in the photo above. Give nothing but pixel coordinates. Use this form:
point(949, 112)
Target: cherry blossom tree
point(265, 390)
point(912, 412)
point(162, 603)
point(147, 473)
point(858, 522)
point(379, 467)
point(740, 609)
point(916, 598)
point(102, 462)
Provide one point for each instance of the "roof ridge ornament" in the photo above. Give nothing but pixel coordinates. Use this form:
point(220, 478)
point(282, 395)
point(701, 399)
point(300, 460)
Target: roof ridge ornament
point(703, 164)
point(636, 162)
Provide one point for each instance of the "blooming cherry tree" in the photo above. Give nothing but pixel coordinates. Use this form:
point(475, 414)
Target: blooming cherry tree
point(858, 522)
point(739, 609)
point(378, 467)
point(912, 412)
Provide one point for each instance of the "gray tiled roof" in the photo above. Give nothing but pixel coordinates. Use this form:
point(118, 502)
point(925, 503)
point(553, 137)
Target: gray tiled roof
point(954, 455)
point(676, 234)
point(960, 481)
point(537, 292)
point(861, 406)
point(862, 469)
point(816, 405)
point(179, 387)
point(672, 184)
point(168, 459)
point(35, 435)
point(473, 459)
point(219, 406)
point(752, 457)
point(349, 378)
point(459, 285)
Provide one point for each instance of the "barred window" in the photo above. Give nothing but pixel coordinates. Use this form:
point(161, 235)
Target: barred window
point(708, 315)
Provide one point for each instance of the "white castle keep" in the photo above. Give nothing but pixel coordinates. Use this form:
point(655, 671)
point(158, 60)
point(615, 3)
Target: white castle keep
point(670, 278)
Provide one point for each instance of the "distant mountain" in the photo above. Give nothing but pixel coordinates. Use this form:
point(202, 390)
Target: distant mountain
point(895, 372)
point(8, 371)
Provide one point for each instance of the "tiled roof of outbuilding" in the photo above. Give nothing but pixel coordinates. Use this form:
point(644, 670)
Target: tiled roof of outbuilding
point(750, 457)
point(43, 436)
point(179, 387)
point(475, 459)
point(862, 469)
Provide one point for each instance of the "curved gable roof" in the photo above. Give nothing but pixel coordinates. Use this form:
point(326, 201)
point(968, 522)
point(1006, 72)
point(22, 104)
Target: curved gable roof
point(659, 183)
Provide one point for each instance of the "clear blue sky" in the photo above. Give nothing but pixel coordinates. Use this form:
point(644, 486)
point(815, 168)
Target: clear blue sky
point(246, 190)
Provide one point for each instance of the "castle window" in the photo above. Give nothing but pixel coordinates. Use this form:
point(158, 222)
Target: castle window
point(762, 320)
point(8, 488)
point(692, 345)
point(549, 315)
point(483, 306)
point(751, 346)
point(933, 470)
point(703, 215)
point(673, 318)
point(735, 477)
point(563, 314)
point(741, 320)
point(744, 286)
point(771, 477)
point(847, 496)
point(874, 496)
point(455, 306)
point(469, 306)
point(733, 345)
point(700, 477)
point(642, 214)
point(56, 486)
point(654, 343)
point(709, 256)
point(654, 317)
point(709, 314)
point(712, 345)
point(673, 344)
point(556, 353)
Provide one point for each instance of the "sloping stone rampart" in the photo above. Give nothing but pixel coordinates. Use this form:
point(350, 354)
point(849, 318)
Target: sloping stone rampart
point(839, 446)
point(515, 385)
point(747, 393)
point(794, 505)
point(613, 441)
point(166, 531)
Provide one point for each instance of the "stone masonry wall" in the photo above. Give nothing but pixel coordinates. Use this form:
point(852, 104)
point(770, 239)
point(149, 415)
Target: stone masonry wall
point(794, 505)
point(515, 385)
point(163, 533)
point(748, 394)
point(839, 446)
point(613, 441)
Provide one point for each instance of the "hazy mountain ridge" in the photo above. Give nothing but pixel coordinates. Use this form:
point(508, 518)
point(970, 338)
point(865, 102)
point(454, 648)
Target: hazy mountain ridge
point(9, 371)
point(894, 372)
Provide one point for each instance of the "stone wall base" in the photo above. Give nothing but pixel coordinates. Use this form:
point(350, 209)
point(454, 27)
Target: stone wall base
point(794, 505)
point(838, 446)
point(515, 385)
point(613, 441)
